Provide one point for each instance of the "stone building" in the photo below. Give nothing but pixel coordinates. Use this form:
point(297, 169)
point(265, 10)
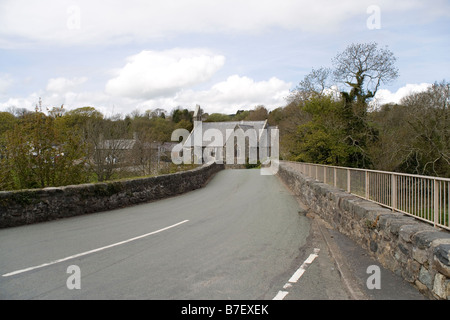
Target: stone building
point(230, 142)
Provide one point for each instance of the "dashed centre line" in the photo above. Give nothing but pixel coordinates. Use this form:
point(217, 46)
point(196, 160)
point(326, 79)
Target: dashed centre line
point(297, 275)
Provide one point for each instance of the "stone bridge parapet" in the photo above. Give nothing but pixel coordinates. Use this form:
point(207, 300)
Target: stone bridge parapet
point(417, 251)
point(38, 205)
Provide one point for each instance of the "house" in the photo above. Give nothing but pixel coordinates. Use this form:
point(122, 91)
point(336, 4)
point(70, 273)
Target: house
point(129, 152)
point(115, 151)
point(228, 142)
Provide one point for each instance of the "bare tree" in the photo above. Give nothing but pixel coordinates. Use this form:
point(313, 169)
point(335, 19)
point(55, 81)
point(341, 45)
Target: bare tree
point(107, 146)
point(364, 67)
point(146, 153)
point(17, 112)
point(314, 83)
point(317, 81)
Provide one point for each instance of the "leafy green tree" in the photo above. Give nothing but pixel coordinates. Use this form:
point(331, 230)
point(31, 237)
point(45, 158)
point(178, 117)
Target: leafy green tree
point(181, 114)
point(322, 139)
point(7, 121)
point(241, 115)
point(259, 113)
point(78, 117)
point(218, 117)
point(184, 124)
point(41, 153)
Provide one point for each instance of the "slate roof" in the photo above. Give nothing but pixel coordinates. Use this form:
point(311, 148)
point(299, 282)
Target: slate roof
point(117, 144)
point(222, 127)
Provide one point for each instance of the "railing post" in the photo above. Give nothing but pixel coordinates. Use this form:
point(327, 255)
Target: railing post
point(367, 184)
point(324, 174)
point(393, 192)
point(348, 181)
point(335, 176)
point(436, 202)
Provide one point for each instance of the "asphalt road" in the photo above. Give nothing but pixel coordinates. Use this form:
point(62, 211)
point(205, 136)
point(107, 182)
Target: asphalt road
point(243, 236)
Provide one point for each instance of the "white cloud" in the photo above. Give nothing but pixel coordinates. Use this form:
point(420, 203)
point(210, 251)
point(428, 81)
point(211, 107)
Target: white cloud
point(228, 96)
point(106, 22)
point(384, 96)
point(152, 74)
point(63, 84)
point(238, 92)
point(20, 102)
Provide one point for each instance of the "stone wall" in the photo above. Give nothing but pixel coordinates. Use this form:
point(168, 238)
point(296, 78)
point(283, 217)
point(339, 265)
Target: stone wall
point(416, 250)
point(37, 205)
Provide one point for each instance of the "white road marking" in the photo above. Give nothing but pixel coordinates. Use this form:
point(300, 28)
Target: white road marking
point(287, 285)
point(297, 275)
point(302, 268)
point(280, 295)
point(92, 251)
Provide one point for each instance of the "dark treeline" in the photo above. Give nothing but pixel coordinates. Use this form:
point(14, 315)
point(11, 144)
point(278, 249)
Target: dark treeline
point(410, 137)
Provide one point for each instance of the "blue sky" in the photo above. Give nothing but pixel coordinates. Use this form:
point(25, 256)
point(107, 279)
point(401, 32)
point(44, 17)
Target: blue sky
point(120, 56)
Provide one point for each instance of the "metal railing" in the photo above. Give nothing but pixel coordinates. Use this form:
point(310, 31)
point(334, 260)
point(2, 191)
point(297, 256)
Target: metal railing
point(423, 197)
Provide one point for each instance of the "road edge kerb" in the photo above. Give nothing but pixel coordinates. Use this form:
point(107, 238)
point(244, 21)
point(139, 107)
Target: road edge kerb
point(351, 284)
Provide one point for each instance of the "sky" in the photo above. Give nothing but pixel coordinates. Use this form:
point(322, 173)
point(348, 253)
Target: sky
point(135, 55)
